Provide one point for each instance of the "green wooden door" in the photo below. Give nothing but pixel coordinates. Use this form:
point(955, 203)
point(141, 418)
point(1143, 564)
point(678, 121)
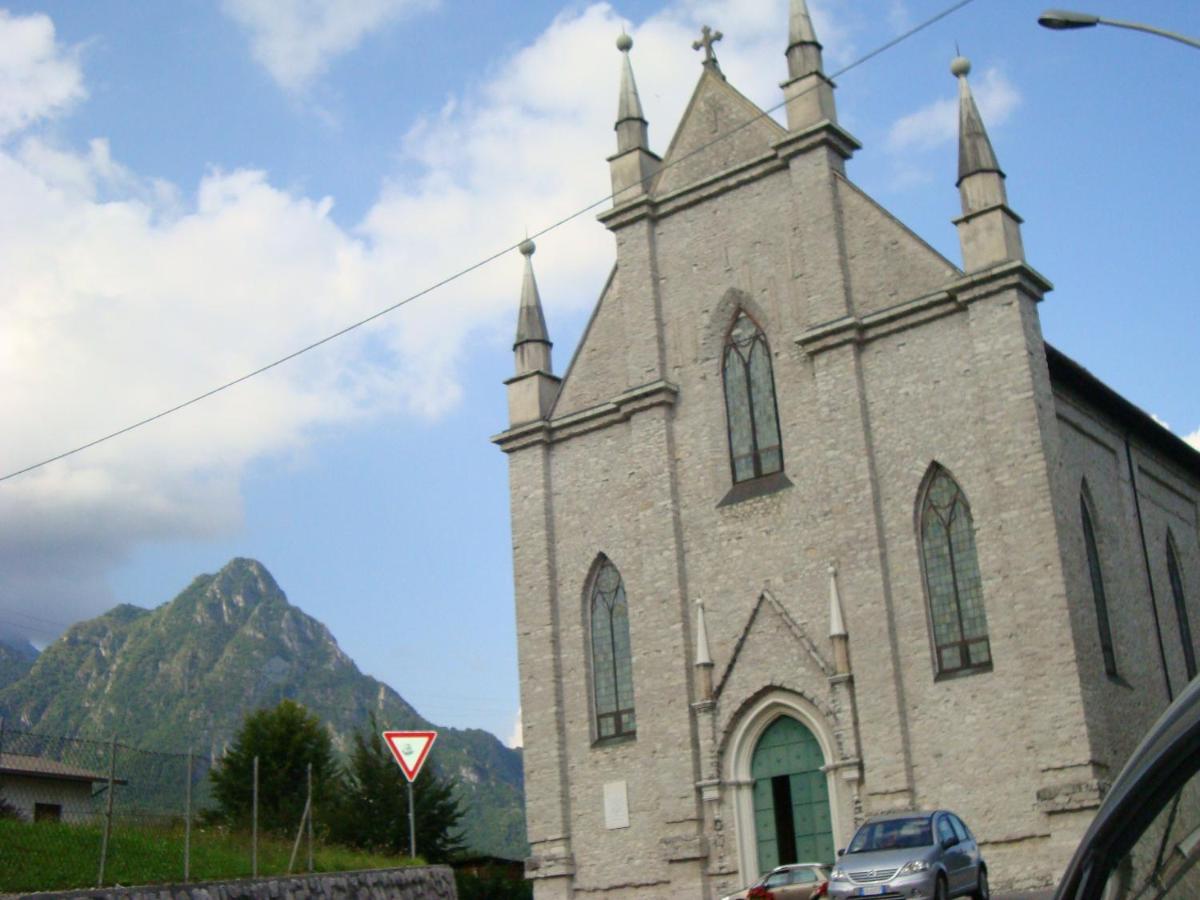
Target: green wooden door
point(791, 798)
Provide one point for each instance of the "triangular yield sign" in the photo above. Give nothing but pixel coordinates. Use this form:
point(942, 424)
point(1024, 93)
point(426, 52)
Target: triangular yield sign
point(410, 749)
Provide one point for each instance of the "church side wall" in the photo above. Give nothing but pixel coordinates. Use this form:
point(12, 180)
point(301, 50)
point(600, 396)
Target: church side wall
point(991, 745)
point(1093, 452)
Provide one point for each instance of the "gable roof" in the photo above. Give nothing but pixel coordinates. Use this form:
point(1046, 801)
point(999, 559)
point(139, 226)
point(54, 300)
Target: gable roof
point(49, 769)
point(720, 129)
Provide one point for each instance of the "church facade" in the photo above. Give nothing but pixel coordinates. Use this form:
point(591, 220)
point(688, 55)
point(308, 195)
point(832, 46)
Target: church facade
point(816, 525)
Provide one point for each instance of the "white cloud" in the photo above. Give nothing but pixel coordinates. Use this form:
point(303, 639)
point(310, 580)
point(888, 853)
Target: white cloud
point(1193, 438)
point(122, 295)
point(296, 40)
point(937, 123)
point(38, 77)
point(516, 737)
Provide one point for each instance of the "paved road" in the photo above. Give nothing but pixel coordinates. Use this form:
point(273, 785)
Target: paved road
point(1042, 894)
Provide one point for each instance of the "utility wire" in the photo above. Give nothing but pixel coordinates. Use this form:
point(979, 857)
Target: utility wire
point(478, 264)
point(17, 612)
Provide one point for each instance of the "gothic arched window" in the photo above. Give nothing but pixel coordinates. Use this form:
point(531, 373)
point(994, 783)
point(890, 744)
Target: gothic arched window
point(952, 581)
point(754, 446)
point(1097, 575)
point(612, 658)
point(1185, 628)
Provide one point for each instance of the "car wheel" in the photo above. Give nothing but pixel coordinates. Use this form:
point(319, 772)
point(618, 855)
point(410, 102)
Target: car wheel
point(981, 889)
point(939, 889)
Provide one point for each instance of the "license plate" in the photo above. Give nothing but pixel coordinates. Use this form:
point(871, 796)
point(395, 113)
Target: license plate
point(873, 890)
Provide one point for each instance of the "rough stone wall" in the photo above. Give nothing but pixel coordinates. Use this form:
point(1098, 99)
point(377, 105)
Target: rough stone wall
point(409, 883)
point(1093, 452)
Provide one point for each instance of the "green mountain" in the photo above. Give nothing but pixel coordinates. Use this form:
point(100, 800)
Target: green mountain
point(184, 675)
point(16, 659)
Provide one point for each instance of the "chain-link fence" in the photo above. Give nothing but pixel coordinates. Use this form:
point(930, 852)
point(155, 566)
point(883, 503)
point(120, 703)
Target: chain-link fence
point(77, 813)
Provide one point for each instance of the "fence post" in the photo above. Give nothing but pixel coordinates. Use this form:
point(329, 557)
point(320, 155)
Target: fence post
point(1, 751)
point(108, 809)
point(187, 821)
point(304, 819)
point(254, 824)
point(311, 813)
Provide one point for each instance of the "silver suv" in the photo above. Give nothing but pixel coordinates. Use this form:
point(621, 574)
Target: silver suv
point(911, 856)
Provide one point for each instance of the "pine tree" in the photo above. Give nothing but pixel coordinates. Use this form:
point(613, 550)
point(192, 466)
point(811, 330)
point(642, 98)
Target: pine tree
point(375, 813)
point(285, 739)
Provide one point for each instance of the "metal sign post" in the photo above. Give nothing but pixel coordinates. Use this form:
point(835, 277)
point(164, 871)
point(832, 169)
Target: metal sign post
point(412, 824)
point(410, 748)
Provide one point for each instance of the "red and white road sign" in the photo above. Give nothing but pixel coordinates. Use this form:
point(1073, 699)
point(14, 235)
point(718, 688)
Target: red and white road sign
point(410, 749)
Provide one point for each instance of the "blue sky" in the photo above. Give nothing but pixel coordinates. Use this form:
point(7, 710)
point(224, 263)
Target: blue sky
point(196, 188)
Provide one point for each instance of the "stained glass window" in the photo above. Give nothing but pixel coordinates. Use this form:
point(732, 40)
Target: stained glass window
point(754, 446)
point(612, 657)
point(952, 580)
point(1093, 560)
point(1185, 627)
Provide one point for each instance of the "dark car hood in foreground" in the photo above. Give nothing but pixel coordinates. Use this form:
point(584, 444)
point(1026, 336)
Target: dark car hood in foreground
point(1146, 782)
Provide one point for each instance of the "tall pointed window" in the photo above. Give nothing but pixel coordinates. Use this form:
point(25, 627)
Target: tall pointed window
point(754, 447)
point(612, 659)
point(952, 580)
point(1185, 627)
point(1097, 575)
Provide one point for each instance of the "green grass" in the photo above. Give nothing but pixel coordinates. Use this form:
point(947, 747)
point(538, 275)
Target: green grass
point(46, 856)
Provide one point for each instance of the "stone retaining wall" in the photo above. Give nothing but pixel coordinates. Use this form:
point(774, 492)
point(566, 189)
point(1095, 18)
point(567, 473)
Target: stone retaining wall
point(409, 883)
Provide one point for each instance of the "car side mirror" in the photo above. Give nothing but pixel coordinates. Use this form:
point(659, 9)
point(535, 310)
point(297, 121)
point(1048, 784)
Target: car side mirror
point(841, 851)
point(949, 842)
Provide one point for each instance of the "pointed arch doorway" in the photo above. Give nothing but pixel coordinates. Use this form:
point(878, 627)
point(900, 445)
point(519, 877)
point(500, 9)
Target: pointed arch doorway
point(792, 818)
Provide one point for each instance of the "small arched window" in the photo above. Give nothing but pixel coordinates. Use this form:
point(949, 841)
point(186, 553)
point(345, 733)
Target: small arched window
point(1097, 576)
point(754, 445)
point(612, 658)
point(952, 581)
point(1185, 628)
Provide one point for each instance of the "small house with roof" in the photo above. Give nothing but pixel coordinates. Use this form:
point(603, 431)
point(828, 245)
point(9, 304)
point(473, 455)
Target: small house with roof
point(46, 790)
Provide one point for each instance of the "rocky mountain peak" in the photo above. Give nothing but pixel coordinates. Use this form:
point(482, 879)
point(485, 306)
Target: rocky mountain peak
point(246, 583)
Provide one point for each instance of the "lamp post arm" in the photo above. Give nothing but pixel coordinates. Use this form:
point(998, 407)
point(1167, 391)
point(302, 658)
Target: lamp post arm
point(1150, 29)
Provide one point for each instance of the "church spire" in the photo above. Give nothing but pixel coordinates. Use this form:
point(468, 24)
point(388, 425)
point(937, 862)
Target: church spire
point(988, 230)
point(631, 122)
point(837, 626)
point(532, 344)
point(809, 93)
point(703, 659)
point(633, 165)
point(532, 390)
point(975, 154)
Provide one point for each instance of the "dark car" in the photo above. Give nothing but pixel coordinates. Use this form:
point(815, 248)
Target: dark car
point(911, 856)
point(1145, 839)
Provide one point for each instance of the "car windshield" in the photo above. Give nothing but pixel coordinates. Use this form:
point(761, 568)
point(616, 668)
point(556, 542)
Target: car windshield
point(892, 834)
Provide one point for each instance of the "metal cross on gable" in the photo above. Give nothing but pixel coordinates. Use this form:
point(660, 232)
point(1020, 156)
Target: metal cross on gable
point(708, 37)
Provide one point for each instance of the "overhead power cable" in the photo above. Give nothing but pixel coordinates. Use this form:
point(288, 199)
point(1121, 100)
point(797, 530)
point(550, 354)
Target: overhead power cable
point(882, 48)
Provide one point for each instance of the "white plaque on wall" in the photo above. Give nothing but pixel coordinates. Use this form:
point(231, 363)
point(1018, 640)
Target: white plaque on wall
point(616, 805)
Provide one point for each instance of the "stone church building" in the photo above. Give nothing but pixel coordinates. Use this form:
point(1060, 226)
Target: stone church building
point(815, 524)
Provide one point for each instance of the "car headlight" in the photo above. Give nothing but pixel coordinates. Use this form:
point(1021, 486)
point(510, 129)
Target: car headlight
point(911, 868)
point(838, 874)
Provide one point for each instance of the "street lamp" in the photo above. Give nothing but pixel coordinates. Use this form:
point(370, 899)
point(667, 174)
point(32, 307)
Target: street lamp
point(1062, 19)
